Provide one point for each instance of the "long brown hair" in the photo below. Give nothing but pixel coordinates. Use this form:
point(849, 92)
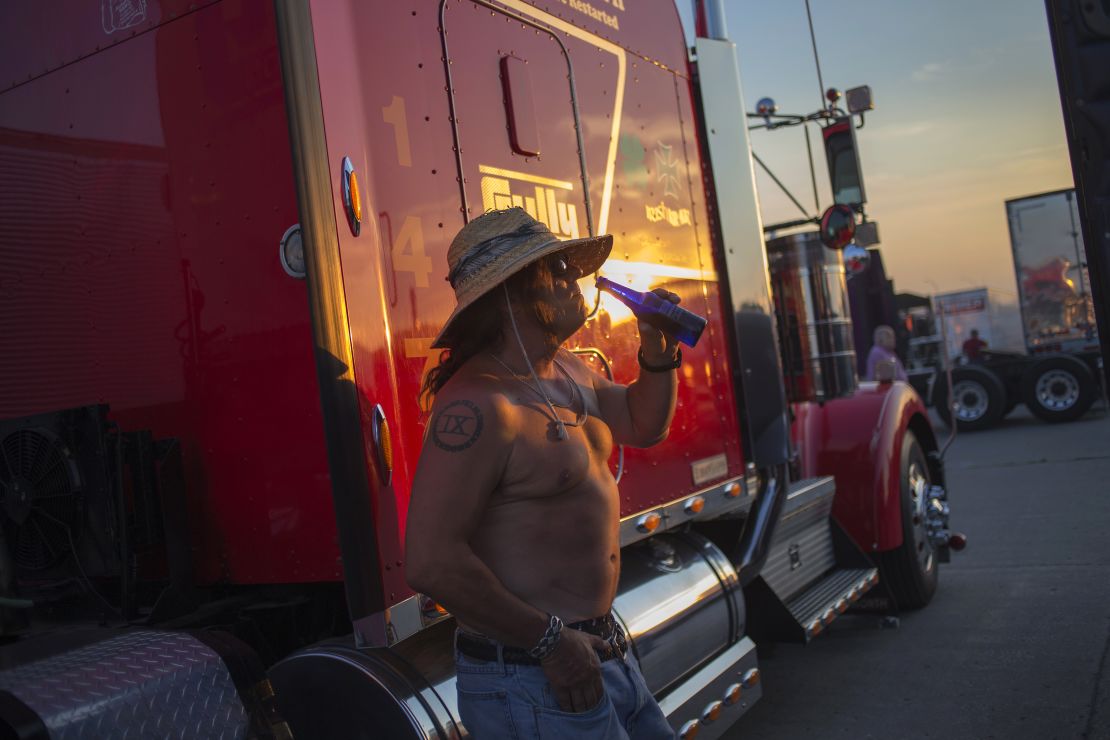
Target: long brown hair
point(480, 327)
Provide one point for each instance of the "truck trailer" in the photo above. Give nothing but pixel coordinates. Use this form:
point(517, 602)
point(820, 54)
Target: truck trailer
point(221, 271)
point(1042, 342)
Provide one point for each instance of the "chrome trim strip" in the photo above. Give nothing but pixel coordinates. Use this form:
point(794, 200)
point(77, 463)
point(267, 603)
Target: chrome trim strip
point(396, 624)
point(713, 682)
point(717, 503)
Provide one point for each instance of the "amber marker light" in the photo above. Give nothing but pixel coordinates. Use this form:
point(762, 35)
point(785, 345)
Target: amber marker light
point(695, 505)
point(732, 490)
point(732, 694)
point(649, 522)
point(751, 678)
point(352, 200)
point(689, 730)
point(356, 200)
point(383, 445)
point(712, 712)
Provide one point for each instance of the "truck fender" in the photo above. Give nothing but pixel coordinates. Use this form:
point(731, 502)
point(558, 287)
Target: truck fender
point(858, 440)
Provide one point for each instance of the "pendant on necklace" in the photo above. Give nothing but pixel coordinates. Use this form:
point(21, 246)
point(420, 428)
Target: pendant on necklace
point(558, 430)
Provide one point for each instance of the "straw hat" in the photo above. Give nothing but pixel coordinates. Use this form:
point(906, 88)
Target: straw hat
point(498, 244)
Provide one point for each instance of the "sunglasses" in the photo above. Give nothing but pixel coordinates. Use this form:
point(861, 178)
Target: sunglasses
point(558, 264)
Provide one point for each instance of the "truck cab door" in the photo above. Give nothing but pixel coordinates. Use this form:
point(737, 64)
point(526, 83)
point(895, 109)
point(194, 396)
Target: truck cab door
point(518, 135)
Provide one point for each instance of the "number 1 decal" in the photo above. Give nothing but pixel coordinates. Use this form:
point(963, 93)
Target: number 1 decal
point(394, 115)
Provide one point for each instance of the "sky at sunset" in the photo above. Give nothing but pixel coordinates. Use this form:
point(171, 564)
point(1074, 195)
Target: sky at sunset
point(967, 116)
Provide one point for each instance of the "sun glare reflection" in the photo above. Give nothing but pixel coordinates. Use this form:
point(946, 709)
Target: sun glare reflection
point(667, 609)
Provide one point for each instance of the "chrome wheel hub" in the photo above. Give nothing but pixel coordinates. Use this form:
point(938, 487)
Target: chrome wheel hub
point(936, 517)
point(922, 497)
point(1057, 390)
point(971, 400)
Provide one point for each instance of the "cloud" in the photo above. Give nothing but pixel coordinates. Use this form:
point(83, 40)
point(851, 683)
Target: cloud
point(928, 72)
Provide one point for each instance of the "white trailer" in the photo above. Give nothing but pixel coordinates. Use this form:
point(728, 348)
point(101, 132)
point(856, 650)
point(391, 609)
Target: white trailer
point(993, 313)
point(1051, 273)
point(1042, 348)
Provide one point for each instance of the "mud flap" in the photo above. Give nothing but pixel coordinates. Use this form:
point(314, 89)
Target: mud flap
point(813, 574)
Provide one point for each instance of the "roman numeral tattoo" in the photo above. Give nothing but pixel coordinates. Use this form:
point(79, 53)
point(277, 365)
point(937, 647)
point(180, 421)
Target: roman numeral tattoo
point(457, 427)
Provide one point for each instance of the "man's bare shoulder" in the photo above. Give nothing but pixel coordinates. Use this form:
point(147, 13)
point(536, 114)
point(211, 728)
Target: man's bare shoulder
point(470, 409)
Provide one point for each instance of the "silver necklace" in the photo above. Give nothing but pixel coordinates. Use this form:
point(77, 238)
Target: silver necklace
point(559, 426)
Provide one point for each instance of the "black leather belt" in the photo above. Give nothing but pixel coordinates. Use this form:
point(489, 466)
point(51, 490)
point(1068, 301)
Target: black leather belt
point(476, 647)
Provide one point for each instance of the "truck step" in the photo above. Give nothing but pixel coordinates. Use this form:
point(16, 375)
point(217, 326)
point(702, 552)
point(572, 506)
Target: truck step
point(830, 597)
point(813, 572)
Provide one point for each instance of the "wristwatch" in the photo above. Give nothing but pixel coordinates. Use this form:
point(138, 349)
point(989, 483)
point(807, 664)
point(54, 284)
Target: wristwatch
point(673, 365)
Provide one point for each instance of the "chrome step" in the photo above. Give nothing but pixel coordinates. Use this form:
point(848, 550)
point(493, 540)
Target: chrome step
point(813, 572)
point(816, 608)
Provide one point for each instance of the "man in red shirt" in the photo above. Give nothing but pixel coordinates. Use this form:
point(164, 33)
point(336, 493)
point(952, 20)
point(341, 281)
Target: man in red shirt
point(973, 345)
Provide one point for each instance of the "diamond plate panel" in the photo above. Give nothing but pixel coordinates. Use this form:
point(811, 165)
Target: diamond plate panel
point(142, 684)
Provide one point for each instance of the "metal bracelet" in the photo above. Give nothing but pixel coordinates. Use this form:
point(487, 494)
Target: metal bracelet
point(550, 639)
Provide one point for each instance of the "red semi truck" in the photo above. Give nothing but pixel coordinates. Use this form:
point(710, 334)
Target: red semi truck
point(221, 269)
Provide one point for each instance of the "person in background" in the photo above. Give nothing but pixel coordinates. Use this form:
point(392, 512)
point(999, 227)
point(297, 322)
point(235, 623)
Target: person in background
point(973, 346)
point(882, 351)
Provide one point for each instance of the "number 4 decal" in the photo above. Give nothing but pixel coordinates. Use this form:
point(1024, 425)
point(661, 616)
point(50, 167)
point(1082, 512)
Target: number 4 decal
point(408, 252)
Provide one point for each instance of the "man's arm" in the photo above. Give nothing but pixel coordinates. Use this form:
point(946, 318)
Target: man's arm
point(640, 414)
point(465, 451)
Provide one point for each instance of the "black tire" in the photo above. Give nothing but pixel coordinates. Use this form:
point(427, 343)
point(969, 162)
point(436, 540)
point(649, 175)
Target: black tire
point(1058, 389)
point(979, 395)
point(910, 572)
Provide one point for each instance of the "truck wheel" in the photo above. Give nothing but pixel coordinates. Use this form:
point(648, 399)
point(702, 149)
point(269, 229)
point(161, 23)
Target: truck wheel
point(910, 571)
point(1058, 388)
point(980, 398)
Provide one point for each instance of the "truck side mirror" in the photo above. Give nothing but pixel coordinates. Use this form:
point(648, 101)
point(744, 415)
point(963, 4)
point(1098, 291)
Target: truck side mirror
point(838, 226)
point(843, 159)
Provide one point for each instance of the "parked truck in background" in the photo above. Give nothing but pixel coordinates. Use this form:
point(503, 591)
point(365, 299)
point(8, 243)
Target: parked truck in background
point(1042, 343)
point(992, 314)
point(212, 353)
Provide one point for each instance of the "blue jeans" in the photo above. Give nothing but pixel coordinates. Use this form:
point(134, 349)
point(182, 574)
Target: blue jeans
point(503, 701)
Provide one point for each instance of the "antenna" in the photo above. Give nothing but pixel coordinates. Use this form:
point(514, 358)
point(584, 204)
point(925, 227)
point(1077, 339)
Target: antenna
point(816, 58)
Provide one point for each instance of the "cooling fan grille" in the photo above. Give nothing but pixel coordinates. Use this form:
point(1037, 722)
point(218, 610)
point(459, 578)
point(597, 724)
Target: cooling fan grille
point(40, 498)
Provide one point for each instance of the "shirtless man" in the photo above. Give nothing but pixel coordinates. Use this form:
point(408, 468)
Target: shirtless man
point(514, 520)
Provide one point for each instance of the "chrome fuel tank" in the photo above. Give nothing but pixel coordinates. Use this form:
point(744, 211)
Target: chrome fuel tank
point(680, 603)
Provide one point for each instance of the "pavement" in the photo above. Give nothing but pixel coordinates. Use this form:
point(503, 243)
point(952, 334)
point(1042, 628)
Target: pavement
point(1015, 643)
